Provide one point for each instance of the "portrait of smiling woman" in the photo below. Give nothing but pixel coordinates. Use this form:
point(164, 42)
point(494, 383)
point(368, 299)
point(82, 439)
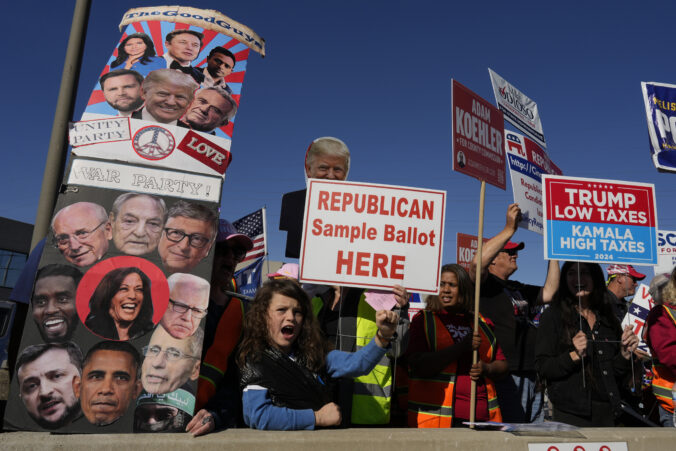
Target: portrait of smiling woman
point(121, 307)
point(137, 52)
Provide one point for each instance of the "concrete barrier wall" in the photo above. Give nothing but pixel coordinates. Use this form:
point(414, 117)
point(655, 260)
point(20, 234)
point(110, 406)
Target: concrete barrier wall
point(637, 439)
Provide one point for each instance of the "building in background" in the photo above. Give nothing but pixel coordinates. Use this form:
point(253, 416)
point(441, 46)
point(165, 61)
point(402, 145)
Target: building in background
point(15, 242)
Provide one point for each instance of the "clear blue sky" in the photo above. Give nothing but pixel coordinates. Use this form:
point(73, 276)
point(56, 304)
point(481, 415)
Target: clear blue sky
point(377, 75)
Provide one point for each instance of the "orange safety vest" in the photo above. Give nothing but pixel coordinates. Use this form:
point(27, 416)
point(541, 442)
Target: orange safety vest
point(430, 400)
point(663, 380)
point(215, 364)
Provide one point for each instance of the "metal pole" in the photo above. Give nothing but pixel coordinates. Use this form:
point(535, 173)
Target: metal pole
point(65, 104)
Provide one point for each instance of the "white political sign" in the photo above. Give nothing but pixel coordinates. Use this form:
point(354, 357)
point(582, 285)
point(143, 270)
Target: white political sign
point(527, 162)
point(137, 141)
point(518, 108)
point(106, 174)
point(372, 236)
point(638, 312)
point(666, 251)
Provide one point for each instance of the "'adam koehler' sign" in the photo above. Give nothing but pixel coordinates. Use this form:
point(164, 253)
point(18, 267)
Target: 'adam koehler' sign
point(478, 148)
point(372, 236)
point(599, 220)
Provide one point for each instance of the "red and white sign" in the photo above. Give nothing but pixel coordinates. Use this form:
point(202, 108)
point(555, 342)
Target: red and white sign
point(637, 312)
point(600, 221)
point(527, 162)
point(372, 236)
point(136, 141)
point(205, 151)
point(478, 129)
point(466, 246)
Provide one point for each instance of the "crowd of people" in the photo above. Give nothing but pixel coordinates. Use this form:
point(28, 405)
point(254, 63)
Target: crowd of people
point(302, 356)
point(317, 356)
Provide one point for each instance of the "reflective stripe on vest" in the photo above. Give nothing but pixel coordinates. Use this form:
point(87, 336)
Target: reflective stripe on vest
point(663, 380)
point(371, 393)
point(431, 399)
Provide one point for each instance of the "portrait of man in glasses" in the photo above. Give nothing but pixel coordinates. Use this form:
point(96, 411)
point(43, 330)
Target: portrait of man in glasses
point(188, 302)
point(137, 221)
point(170, 363)
point(82, 233)
point(187, 237)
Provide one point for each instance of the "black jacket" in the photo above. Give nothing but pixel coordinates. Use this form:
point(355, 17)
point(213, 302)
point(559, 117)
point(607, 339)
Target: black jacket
point(564, 377)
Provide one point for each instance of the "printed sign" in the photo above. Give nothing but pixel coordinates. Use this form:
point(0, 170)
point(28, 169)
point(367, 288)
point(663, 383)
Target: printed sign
point(637, 313)
point(660, 110)
point(466, 246)
point(163, 146)
point(102, 296)
point(478, 126)
point(99, 131)
point(527, 162)
point(372, 236)
point(248, 279)
point(104, 174)
point(519, 110)
point(579, 446)
point(175, 70)
point(666, 251)
point(599, 221)
point(123, 282)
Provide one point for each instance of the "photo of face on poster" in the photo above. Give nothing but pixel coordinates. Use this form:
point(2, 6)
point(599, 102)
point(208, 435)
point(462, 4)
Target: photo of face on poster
point(187, 77)
point(117, 298)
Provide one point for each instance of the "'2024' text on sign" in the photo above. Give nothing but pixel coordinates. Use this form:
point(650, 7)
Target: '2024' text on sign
point(372, 236)
point(598, 220)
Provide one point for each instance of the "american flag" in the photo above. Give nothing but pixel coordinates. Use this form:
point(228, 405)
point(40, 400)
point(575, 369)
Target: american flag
point(253, 226)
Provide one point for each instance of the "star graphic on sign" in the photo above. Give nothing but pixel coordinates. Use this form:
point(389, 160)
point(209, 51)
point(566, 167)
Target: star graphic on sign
point(636, 311)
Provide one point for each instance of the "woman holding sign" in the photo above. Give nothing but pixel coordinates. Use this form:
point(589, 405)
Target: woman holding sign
point(440, 358)
point(581, 350)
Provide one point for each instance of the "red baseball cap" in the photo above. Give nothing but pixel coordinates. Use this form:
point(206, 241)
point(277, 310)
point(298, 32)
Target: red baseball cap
point(512, 245)
point(625, 269)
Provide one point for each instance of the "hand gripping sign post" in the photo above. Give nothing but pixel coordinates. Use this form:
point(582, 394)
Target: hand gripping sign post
point(372, 236)
point(478, 151)
point(527, 162)
point(599, 221)
point(113, 337)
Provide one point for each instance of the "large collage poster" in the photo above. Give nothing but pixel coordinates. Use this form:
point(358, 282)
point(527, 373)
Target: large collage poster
point(114, 334)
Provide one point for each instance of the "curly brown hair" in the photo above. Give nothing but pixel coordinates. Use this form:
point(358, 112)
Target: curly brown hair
point(310, 347)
